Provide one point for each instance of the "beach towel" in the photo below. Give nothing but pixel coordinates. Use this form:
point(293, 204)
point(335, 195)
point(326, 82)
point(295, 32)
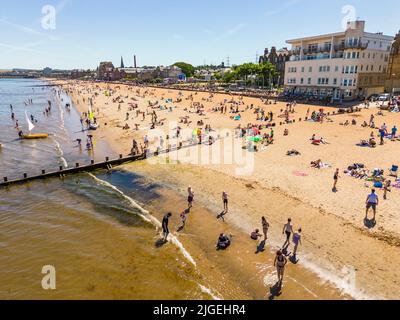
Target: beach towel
point(300, 174)
point(378, 185)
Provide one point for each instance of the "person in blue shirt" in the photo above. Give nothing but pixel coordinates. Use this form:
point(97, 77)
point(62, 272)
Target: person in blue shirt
point(394, 132)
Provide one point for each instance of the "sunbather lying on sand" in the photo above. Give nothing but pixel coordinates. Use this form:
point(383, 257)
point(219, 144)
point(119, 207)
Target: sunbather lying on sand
point(317, 164)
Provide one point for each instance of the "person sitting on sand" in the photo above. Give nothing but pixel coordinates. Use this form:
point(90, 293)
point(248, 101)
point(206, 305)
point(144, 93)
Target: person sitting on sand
point(286, 132)
point(223, 241)
point(317, 164)
point(255, 234)
point(372, 142)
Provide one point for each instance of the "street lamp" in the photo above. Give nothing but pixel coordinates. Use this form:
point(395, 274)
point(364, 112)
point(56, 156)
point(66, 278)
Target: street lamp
point(392, 93)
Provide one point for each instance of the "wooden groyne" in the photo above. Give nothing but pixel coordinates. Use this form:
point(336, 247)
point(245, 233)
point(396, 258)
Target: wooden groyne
point(107, 164)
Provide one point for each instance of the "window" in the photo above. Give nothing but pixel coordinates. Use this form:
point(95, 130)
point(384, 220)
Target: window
point(336, 68)
point(302, 69)
point(354, 55)
point(367, 69)
point(362, 67)
point(380, 68)
point(309, 81)
point(301, 81)
point(309, 69)
point(372, 67)
point(335, 81)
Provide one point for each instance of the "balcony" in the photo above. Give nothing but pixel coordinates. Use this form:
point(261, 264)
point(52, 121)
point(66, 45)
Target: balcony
point(361, 46)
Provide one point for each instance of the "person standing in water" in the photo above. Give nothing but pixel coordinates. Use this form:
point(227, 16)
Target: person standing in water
point(288, 230)
point(280, 263)
point(296, 241)
point(165, 223)
point(225, 201)
point(265, 226)
point(190, 197)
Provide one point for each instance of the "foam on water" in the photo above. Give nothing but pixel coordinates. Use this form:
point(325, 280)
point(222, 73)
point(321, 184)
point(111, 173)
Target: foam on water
point(60, 154)
point(337, 278)
point(209, 292)
point(145, 215)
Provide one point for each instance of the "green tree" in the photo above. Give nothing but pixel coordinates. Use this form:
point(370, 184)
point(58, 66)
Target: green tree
point(187, 68)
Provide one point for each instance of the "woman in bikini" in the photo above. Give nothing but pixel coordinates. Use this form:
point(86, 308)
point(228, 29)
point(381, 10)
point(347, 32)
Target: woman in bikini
point(280, 263)
point(265, 226)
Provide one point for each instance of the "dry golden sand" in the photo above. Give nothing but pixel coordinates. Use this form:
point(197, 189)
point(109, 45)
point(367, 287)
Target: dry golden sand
point(334, 235)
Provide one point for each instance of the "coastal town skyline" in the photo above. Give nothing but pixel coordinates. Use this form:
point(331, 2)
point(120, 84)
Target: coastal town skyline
point(225, 34)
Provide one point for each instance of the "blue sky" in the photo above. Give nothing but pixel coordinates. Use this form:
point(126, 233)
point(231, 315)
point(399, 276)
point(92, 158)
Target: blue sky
point(161, 32)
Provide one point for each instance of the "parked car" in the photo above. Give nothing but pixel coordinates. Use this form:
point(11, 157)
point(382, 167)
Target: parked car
point(384, 97)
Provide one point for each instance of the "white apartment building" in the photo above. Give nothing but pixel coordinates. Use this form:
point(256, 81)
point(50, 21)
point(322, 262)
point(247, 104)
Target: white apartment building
point(330, 66)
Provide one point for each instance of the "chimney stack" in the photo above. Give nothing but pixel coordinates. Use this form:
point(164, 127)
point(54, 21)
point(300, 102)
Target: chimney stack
point(134, 61)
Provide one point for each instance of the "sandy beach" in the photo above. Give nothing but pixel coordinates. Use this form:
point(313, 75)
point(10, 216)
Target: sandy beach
point(340, 255)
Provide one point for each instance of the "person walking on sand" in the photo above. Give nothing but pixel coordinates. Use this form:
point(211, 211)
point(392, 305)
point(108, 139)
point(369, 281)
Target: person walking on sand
point(280, 263)
point(288, 230)
point(372, 202)
point(265, 226)
point(225, 201)
point(165, 223)
point(386, 188)
point(190, 197)
point(183, 219)
point(335, 180)
point(296, 241)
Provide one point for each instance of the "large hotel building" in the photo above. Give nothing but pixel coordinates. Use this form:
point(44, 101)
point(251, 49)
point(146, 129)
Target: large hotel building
point(340, 66)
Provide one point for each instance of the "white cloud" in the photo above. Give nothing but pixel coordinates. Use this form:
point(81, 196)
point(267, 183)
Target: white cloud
point(282, 8)
point(231, 31)
point(28, 30)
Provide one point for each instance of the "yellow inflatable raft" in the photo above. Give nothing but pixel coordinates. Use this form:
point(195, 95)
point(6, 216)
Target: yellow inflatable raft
point(35, 136)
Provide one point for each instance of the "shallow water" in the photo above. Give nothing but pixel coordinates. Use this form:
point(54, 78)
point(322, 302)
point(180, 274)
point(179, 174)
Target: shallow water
point(98, 240)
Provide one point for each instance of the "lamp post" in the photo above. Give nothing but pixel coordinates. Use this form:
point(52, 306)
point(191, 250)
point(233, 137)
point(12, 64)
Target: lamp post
point(392, 92)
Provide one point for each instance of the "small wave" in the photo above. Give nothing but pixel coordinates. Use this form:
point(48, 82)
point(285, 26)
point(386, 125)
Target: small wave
point(145, 215)
point(209, 292)
point(60, 154)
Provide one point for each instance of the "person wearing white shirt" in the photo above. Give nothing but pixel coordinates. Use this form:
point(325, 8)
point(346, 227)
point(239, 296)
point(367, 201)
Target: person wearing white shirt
point(372, 201)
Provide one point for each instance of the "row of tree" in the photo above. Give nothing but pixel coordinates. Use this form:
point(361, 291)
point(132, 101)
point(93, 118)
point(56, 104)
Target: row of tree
point(263, 73)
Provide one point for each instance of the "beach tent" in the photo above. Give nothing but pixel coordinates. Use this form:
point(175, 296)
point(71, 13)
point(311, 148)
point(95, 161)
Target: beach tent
point(255, 138)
